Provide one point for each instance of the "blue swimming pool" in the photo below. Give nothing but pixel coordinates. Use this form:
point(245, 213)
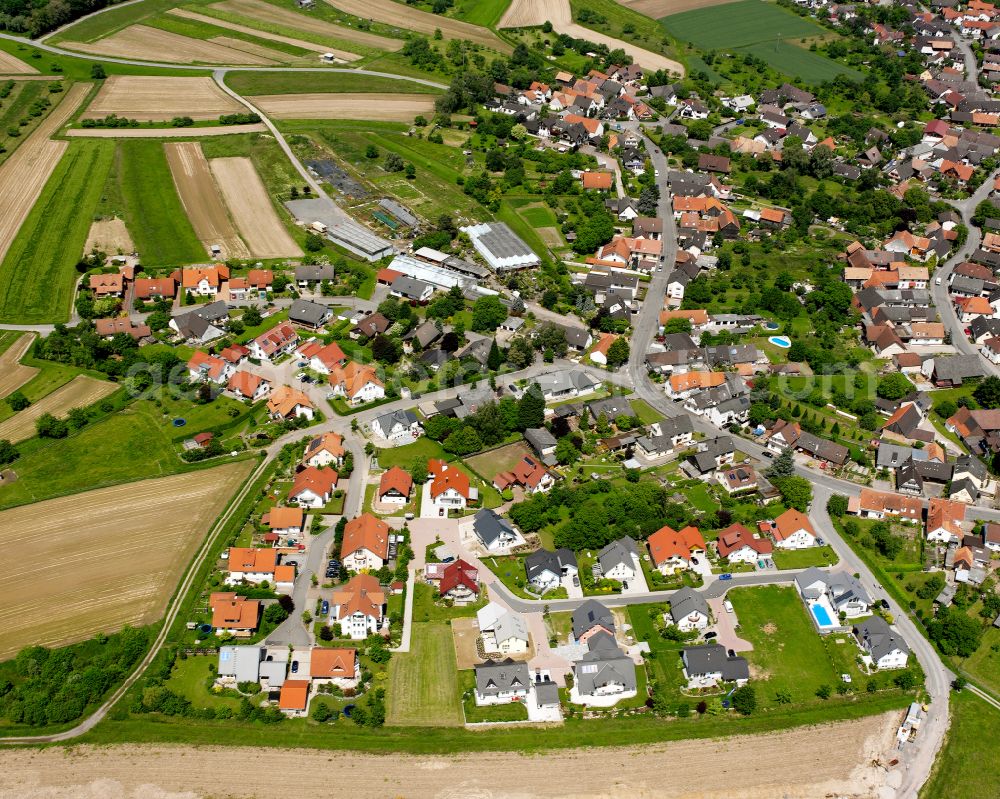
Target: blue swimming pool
point(822, 616)
point(772, 326)
point(781, 341)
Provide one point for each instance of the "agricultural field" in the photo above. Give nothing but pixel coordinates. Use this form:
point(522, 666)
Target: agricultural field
point(971, 740)
point(394, 108)
point(11, 65)
point(251, 209)
point(24, 174)
point(657, 9)
point(109, 236)
point(423, 683)
point(51, 240)
point(96, 561)
point(80, 392)
point(150, 99)
point(258, 83)
point(141, 178)
point(13, 374)
point(165, 133)
point(202, 200)
point(145, 42)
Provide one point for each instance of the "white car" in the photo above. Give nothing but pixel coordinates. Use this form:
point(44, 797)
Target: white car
point(937, 281)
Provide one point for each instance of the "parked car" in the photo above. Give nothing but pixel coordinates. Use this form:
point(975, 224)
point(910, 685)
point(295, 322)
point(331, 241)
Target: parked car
point(711, 636)
point(768, 453)
point(325, 608)
point(576, 581)
point(291, 563)
point(728, 606)
point(726, 576)
point(295, 667)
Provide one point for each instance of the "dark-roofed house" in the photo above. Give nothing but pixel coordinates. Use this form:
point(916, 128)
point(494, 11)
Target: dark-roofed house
point(591, 617)
point(714, 163)
point(952, 370)
point(619, 560)
point(689, 610)
point(882, 644)
point(309, 314)
point(502, 682)
point(545, 570)
point(410, 288)
point(707, 665)
point(604, 675)
point(307, 275)
point(494, 531)
point(543, 443)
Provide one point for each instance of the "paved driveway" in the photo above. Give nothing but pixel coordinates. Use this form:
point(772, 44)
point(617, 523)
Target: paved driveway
point(725, 627)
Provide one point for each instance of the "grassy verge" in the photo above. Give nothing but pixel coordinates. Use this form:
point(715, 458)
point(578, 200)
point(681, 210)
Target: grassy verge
point(969, 763)
point(804, 558)
point(38, 275)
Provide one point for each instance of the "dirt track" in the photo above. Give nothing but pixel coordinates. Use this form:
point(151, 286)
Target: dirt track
point(413, 19)
point(97, 560)
point(525, 13)
point(831, 760)
point(12, 65)
point(109, 236)
point(12, 374)
point(657, 9)
point(163, 133)
point(346, 105)
point(78, 392)
point(201, 199)
point(141, 41)
point(24, 174)
point(150, 99)
point(265, 12)
point(251, 208)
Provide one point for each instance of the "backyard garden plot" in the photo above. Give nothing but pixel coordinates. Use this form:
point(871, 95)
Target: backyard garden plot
point(390, 108)
point(157, 99)
point(11, 65)
point(13, 374)
point(93, 562)
point(144, 42)
point(423, 683)
point(38, 274)
point(252, 210)
point(80, 392)
point(202, 199)
point(413, 19)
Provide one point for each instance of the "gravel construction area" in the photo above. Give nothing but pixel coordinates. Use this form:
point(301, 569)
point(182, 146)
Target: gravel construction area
point(346, 105)
point(202, 199)
point(158, 99)
point(409, 18)
point(109, 236)
point(252, 210)
point(79, 392)
point(528, 13)
point(24, 174)
point(153, 44)
point(804, 763)
point(101, 559)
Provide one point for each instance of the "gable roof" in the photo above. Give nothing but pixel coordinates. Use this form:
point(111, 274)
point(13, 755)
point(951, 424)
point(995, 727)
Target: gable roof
point(325, 663)
point(366, 532)
point(592, 613)
point(395, 479)
point(667, 543)
point(736, 536)
point(790, 522)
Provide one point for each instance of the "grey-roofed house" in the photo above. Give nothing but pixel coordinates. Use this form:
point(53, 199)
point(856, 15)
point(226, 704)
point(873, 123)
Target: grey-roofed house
point(619, 560)
point(493, 530)
point(667, 434)
point(411, 289)
point(590, 618)
point(194, 327)
point(709, 664)
point(242, 663)
point(689, 610)
point(434, 359)
point(566, 383)
point(543, 443)
point(424, 334)
point(478, 351)
point(502, 682)
point(952, 370)
point(713, 454)
point(400, 426)
point(545, 569)
point(309, 314)
point(843, 590)
point(612, 408)
point(577, 338)
point(605, 674)
point(883, 645)
point(310, 274)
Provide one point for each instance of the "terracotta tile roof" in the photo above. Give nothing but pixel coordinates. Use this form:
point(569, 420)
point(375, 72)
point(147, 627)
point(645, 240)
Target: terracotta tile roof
point(366, 532)
point(234, 353)
point(362, 594)
point(690, 380)
point(235, 614)
point(294, 695)
point(353, 377)
point(146, 287)
point(790, 522)
point(284, 399)
point(270, 341)
point(450, 478)
point(602, 346)
point(320, 481)
point(528, 473)
point(325, 664)
point(945, 514)
point(284, 574)
point(459, 573)
point(191, 277)
point(107, 284)
point(245, 383)
point(895, 504)
point(251, 560)
point(208, 365)
point(328, 442)
point(736, 536)
point(395, 479)
point(667, 543)
point(283, 518)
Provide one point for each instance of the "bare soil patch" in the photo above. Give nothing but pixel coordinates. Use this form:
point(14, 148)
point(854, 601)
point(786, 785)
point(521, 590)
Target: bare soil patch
point(466, 631)
point(265, 12)
point(657, 9)
point(141, 41)
point(81, 391)
point(164, 133)
point(252, 210)
point(12, 65)
point(94, 561)
point(526, 13)
point(109, 236)
point(13, 374)
point(551, 236)
point(201, 199)
point(346, 105)
point(24, 174)
point(274, 37)
point(154, 99)
point(699, 769)
point(413, 19)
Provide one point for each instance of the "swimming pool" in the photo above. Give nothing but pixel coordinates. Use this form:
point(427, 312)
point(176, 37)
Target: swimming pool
point(781, 341)
point(822, 617)
point(772, 326)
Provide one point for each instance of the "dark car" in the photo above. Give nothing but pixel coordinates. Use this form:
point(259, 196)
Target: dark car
point(325, 608)
point(291, 563)
point(295, 667)
point(710, 636)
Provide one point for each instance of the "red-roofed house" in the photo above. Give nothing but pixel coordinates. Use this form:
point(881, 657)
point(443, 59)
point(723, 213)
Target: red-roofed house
point(312, 487)
point(792, 530)
point(672, 550)
point(459, 582)
point(274, 343)
point(450, 489)
point(323, 358)
point(207, 368)
point(600, 352)
point(359, 606)
point(234, 614)
point(944, 520)
point(294, 698)
point(737, 545)
point(527, 474)
point(366, 543)
point(246, 385)
point(597, 181)
point(395, 486)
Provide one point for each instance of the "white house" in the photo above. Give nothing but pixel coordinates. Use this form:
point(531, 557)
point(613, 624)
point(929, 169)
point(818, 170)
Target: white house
point(619, 560)
point(365, 544)
point(397, 426)
point(502, 630)
point(250, 565)
point(208, 368)
point(449, 487)
point(325, 450)
point(502, 682)
point(885, 648)
point(312, 487)
point(359, 606)
point(689, 610)
point(792, 530)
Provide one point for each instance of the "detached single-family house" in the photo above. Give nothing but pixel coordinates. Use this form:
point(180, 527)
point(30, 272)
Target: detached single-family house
point(365, 544)
point(882, 644)
point(545, 570)
point(286, 523)
point(738, 545)
point(459, 582)
point(449, 487)
point(357, 383)
point(591, 618)
point(792, 530)
point(286, 402)
point(845, 594)
point(689, 610)
point(502, 682)
point(494, 532)
point(248, 386)
point(359, 606)
point(334, 667)
point(397, 426)
point(671, 550)
point(325, 450)
point(313, 487)
point(502, 630)
point(234, 614)
point(605, 674)
point(619, 560)
point(707, 665)
point(309, 314)
point(205, 368)
point(395, 486)
point(272, 344)
point(294, 697)
point(250, 565)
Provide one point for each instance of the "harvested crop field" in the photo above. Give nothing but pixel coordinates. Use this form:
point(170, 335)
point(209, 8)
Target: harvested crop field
point(527, 13)
point(275, 15)
point(109, 236)
point(413, 19)
point(77, 393)
point(94, 561)
point(141, 41)
point(699, 769)
point(274, 37)
point(346, 105)
point(201, 199)
point(252, 210)
point(163, 133)
point(150, 99)
point(12, 374)
point(12, 65)
point(24, 174)
point(657, 9)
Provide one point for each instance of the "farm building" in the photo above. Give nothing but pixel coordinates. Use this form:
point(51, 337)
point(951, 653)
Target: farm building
point(501, 247)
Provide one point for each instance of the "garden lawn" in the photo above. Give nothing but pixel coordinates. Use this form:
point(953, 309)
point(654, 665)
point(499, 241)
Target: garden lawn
point(701, 498)
point(426, 610)
point(510, 571)
point(189, 679)
point(420, 450)
point(38, 274)
point(969, 763)
point(804, 558)
point(984, 664)
point(162, 232)
point(645, 412)
point(512, 711)
point(423, 684)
